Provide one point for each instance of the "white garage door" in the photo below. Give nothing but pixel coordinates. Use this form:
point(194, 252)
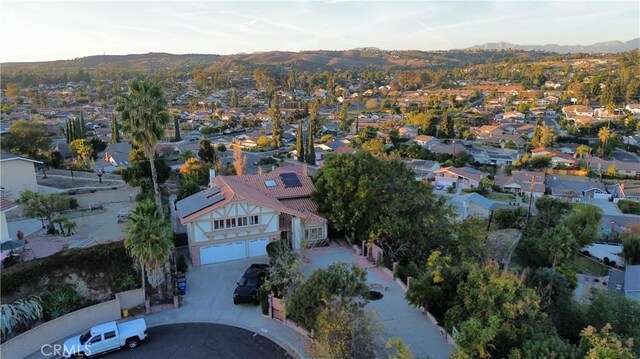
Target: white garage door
point(222, 252)
point(257, 247)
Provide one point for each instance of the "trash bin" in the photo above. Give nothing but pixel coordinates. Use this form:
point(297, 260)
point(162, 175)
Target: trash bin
point(182, 286)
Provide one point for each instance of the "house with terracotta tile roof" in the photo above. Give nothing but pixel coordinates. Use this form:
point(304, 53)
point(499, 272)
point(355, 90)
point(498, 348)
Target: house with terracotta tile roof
point(465, 177)
point(239, 215)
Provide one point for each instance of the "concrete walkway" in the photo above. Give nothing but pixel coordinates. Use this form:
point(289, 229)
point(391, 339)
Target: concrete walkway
point(399, 318)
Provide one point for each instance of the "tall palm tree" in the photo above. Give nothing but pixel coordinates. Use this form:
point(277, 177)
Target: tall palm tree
point(144, 119)
point(149, 241)
point(582, 151)
point(604, 135)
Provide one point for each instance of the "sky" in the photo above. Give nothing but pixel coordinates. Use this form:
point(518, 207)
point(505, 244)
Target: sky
point(58, 30)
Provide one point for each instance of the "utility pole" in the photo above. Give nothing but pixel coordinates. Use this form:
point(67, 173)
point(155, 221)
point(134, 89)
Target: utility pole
point(531, 186)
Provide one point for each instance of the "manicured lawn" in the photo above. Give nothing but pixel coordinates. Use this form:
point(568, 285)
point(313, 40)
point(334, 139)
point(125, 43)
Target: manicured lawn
point(582, 263)
point(501, 197)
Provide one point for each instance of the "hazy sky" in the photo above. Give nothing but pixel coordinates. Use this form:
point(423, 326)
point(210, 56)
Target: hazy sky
point(52, 30)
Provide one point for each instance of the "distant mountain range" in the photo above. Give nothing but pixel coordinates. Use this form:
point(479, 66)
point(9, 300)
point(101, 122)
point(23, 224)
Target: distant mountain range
point(364, 57)
point(610, 47)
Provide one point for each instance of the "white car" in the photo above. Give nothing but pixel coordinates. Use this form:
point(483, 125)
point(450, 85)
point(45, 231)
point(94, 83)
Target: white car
point(105, 338)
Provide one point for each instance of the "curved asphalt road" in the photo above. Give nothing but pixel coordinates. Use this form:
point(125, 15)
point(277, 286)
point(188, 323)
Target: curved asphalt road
point(202, 340)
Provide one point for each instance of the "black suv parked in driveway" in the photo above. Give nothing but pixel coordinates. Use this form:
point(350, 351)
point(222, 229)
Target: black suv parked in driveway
point(246, 291)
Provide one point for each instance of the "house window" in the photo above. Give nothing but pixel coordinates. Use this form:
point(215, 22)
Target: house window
point(236, 222)
point(218, 224)
point(313, 233)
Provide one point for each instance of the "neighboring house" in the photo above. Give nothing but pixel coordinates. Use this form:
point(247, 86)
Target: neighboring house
point(465, 177)
point(520, 182)
point(239, 215)
point(556, 157)
point(633, 140)
point(425, 141)
point(627, 169)
point(17, 174)
point(625, 282)
point(475, 205)
point(448, 148)
point(5, 206)
point(627, 191)
point(632, 282)
point(634, 108)
point(486, 131)
point(423, 169)
point(116, 155)
point(576, 190)
point(493, 156)
point(502, 139)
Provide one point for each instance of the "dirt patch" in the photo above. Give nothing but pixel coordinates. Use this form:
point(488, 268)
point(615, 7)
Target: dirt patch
point(97, 273)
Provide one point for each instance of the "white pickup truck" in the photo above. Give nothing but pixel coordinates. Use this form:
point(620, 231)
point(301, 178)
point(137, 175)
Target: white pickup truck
point(106, 337)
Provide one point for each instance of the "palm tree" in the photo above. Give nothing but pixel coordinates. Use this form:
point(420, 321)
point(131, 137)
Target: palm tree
point(604, 135)
point(560, 244)
point(149, 242)
point(185, 155)
point(144, 118)
point(582, 151)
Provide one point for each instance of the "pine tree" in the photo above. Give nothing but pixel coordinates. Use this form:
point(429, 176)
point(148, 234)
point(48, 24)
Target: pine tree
point(310, 154)
point(276, 127)
point(300, 142)
point(67, 132)
point(344, 121)
point(234, 98)
point(115, 131)
point(176, 126)
point(313, 117)
point(82, 133)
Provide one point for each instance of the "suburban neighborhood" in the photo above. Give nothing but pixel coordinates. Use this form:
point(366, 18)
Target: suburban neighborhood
point(322, 204)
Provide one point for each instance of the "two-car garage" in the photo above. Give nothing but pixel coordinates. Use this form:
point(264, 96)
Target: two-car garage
point(229, 251)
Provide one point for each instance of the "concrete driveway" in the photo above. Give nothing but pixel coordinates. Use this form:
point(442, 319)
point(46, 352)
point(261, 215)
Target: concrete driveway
point(399, 318)
point(209, 298)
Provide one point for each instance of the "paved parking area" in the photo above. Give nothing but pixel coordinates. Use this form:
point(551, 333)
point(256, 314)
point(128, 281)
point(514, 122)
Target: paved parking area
point(203, 340)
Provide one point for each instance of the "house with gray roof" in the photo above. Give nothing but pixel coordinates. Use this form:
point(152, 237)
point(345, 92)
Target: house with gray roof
point(632, 282)
point(625, 282)
point(575, 190)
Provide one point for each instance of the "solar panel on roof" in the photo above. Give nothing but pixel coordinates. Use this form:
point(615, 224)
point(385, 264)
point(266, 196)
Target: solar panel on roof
point(199, 201)
point(290, 179)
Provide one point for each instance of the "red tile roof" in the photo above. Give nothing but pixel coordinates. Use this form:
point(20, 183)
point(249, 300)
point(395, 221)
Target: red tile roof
point(294, 201)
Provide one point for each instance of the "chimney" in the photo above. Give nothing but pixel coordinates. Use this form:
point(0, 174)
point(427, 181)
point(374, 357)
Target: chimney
point(212, 175)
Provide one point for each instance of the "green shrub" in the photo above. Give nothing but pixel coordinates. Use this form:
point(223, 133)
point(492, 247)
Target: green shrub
point(181, 264)
point(61, 301)
point(275, 248)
